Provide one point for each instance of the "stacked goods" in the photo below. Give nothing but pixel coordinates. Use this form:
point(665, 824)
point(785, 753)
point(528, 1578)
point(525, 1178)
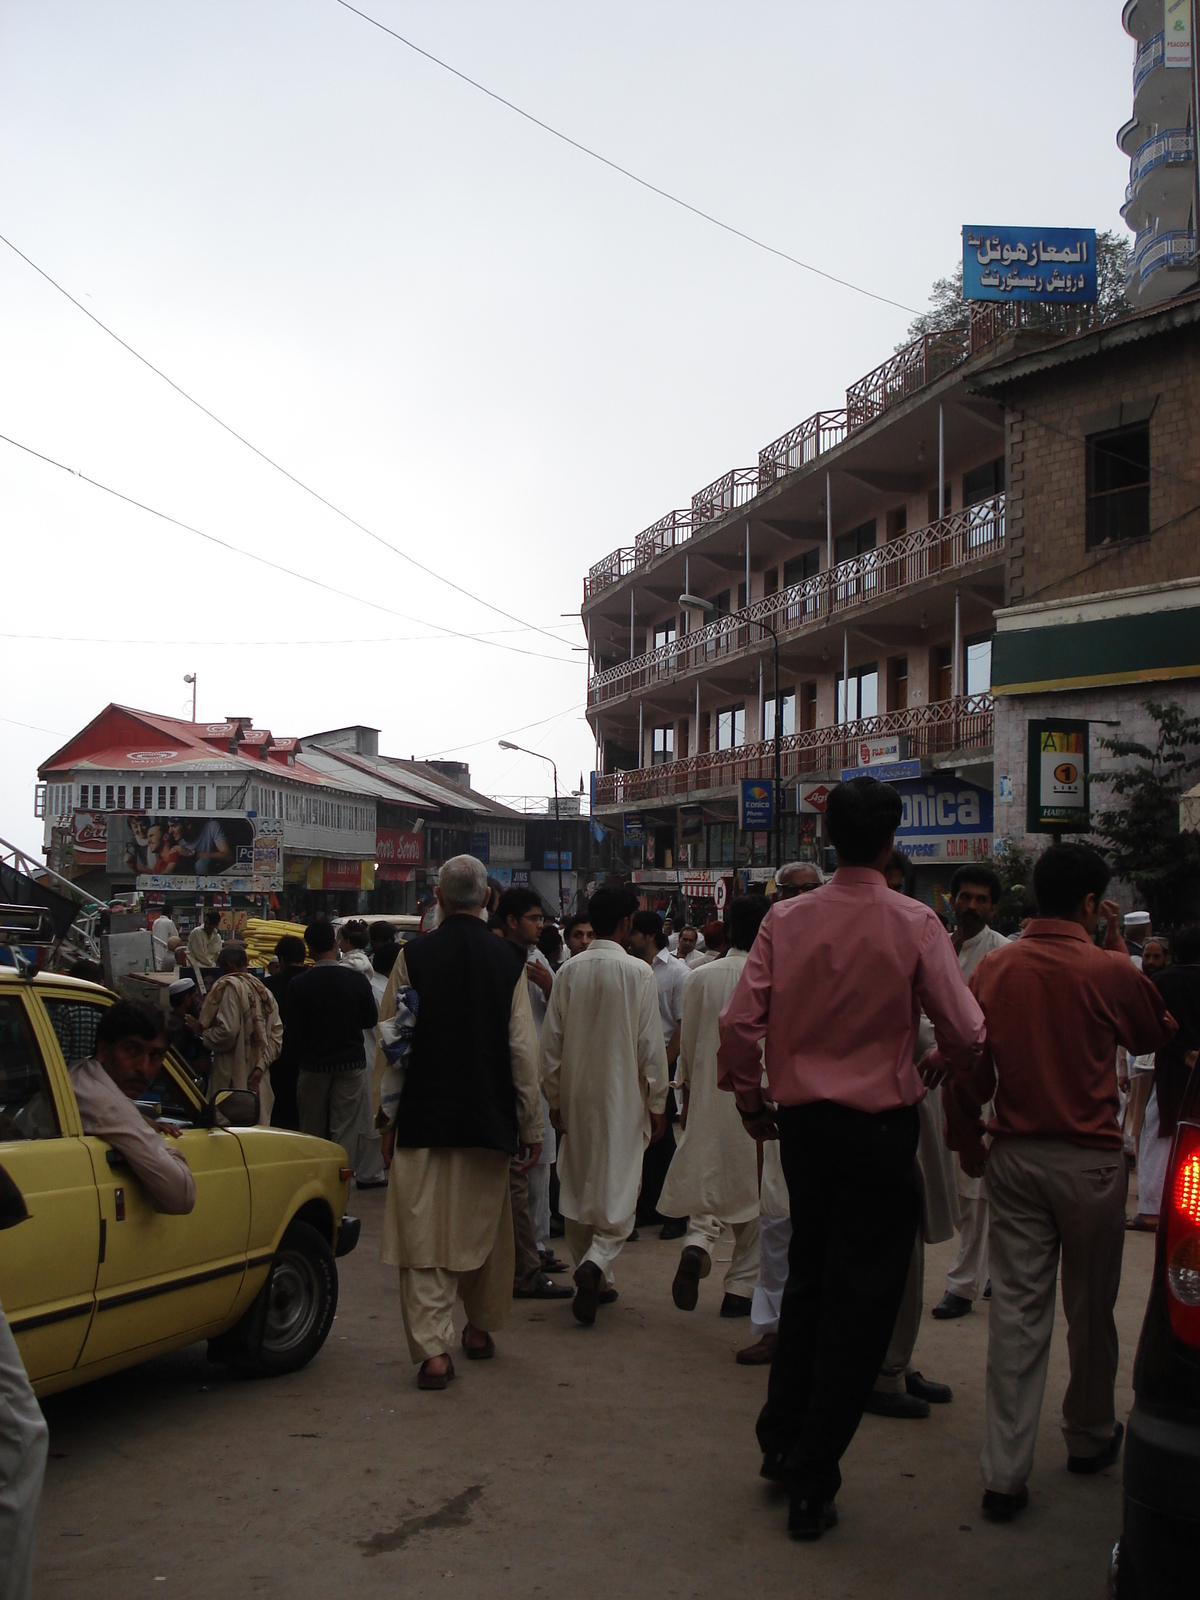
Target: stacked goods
point(262, 936)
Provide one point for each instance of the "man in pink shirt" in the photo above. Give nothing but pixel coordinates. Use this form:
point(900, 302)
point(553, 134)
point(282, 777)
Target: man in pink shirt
point(835, 984)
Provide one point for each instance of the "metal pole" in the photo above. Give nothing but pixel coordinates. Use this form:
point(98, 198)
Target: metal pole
point(941, 464)
point(557, 840)
point(696, 740)
point(846, 677)
point(747, 560)
point(956, 675)
point(778, 760)
point(641, 739)
point(631, 649)
point(828, 523)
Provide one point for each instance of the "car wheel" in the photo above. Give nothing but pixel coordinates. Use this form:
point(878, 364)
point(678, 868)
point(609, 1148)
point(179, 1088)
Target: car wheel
point(292, 1314)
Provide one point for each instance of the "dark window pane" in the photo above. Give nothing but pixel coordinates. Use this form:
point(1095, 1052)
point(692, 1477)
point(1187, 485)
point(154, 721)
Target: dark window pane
point(26, 1105)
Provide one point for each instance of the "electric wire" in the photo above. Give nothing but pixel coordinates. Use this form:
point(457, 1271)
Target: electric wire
point(263, 456)
point(277, 566)
point(615, 166)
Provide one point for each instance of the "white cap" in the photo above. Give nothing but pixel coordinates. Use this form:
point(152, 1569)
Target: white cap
point(180, 986)
point(1137, 919)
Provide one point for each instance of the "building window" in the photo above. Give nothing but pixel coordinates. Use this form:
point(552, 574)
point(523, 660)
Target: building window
point(189, 794)
point(663, 747)
point(898, 695)
point(731, 727)
point(201, 797)
point(109, 800)
point(174, 801)
point(788, 697)
point(808, 707)
point(979, 665)
point(722, 844)
point(983, 483)
point(741, 596)
point(721, 603)
point(1118, 485)
point(770, 580)
point(941, 686)
point(664, 635)
point(800, 568)
point(864, 695)
point(855, 543)
point(120, 797)
point(95, 797)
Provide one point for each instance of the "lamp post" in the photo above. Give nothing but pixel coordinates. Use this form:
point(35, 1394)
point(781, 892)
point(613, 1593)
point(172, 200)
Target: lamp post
point(190, 677)
point(505, 745)
point(694, 603)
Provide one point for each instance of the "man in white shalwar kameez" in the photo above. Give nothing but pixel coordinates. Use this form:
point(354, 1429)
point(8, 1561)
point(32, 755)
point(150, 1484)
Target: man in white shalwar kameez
point(713, 1179)
point(466, 1102)
point(604, 1076)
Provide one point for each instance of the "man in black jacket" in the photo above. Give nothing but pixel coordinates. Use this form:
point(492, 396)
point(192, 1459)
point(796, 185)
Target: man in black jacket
point(328, 1008)
point(461, 1103)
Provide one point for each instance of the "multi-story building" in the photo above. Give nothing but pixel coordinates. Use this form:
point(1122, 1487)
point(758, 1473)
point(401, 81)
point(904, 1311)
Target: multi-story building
point(1162, 198)
point(869, 544)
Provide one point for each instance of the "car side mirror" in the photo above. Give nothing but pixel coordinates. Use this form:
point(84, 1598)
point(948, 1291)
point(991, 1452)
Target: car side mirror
point(232, 1108)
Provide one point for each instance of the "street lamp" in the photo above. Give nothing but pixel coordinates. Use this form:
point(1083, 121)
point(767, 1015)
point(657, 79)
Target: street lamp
point(190, 677)
point(537, 754)
point(692, 602)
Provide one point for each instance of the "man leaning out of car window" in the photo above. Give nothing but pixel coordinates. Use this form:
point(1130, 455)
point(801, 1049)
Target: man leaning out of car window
point(131, 1042)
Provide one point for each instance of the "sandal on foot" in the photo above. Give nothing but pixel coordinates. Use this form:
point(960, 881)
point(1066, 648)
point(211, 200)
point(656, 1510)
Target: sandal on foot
point(434, 1380)
point(479, 1352)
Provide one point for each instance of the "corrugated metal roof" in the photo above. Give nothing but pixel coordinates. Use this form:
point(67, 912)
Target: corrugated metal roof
point(1115, 335)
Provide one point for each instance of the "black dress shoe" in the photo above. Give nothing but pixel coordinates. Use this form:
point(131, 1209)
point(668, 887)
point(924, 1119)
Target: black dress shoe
point(772, 1466)
point(736, 1305)
point(694, 1264)
point(987, 1290)
point(587, 1292)
point(544, 1289)
point(1004, 1507)
point(938, 1394)
point(808, 1519)
point(606, 1297)
point(1090, 1464)
point(905, 1406)
point(951, 1305)
point(674, 1229)
point(633, 1237)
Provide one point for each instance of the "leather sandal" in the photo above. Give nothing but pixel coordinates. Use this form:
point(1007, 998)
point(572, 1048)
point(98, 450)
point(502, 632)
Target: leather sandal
point(435, 1380)
point(479, 1352)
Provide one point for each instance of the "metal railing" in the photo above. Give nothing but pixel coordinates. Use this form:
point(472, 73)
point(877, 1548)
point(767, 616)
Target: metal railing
point(910, 369)
point(962, 723)
point(1147, 59)
point(731, 490)
point(1171, 147)
point(958, 540)
point(800, 445)
point(1176, 248)
point(675, 528)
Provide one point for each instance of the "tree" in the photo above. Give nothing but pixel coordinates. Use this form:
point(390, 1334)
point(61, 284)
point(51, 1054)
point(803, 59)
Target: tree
point(948, 309)
point(1013, 867)
point(1142, 835)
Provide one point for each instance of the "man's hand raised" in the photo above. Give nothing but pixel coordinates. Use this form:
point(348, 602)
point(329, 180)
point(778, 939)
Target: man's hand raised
point(538, 974)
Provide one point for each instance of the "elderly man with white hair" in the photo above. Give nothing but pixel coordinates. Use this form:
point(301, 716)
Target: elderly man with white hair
point(460, 1101)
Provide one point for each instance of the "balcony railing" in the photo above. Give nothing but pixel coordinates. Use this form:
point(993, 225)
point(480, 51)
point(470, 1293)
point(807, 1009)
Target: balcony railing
point(904, 373)
point(960, 540)
point(665, 534)
point(1174, 249)
point(1147, 59)
point(800, 445)
point(962, 723)
point(731, 490)
point(1171, 147)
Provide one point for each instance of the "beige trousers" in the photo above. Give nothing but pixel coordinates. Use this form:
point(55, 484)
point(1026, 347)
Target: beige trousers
point(601, 1245)
point(427, 1296)
point(968, 1276)
point(898, 1360)
point(1049, 1196)
point(24, 1441)
point(704, 1231)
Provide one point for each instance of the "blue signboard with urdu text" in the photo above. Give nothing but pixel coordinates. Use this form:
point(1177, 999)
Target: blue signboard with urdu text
point(1054, 265)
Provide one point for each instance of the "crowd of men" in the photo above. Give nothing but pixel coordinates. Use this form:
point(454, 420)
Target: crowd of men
point(829, 1076)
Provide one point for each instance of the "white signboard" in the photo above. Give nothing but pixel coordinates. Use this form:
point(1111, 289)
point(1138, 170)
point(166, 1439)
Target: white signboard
point(1063, 782)
point(877, 752)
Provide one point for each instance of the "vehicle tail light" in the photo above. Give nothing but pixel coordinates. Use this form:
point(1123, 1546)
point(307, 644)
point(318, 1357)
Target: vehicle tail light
point(345, 1173)
point(1183, 1236)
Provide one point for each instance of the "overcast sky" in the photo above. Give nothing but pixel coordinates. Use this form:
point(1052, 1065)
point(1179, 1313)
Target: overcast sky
point(500, 356)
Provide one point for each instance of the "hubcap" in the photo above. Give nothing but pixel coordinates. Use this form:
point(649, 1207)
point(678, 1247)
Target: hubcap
point(293, 1302)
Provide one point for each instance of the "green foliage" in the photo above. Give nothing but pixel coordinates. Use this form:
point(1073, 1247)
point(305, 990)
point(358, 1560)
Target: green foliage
point(1014, 868)
point(1142, 835)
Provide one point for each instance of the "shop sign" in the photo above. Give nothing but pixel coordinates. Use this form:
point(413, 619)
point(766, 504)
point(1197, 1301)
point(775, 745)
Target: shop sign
point(1177, 34)
point(884, 771)
point(690, 823)
point(91, 833)
point(1057, 777)
point(945, 819)
point(813, 797)
point(552, 860)
point(634, 827)
point(874, 752)
point(480, 847)
point(755, 809)
point(400, 846)
point(331, 872)
point(228, 850)
point(392, 872)
point(1054, 265)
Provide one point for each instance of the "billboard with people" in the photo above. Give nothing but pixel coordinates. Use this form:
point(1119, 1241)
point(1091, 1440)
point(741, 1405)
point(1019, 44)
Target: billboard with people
point(229, 851)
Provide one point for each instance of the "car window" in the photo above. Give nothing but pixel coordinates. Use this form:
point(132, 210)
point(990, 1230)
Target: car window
point(26, 1104)
point(74, 1022)
point(167, 1098)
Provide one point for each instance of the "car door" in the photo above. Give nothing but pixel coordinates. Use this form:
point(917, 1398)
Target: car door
point(162, 1277)
point(48, 1264)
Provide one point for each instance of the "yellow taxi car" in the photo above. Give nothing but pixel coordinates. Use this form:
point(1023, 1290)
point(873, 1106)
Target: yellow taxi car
point(95, 1279)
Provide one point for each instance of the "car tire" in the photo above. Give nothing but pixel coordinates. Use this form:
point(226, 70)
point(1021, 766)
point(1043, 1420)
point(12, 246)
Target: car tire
point(292, 1313)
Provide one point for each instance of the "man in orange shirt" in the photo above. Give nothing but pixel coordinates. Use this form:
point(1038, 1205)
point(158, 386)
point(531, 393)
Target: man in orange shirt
point(1056, 1009)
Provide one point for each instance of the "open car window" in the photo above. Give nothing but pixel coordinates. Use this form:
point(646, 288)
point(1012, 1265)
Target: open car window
point(26, 1104)
point(171, 1096)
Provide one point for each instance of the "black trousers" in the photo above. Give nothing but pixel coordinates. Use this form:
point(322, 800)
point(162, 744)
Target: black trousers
point(855, 1209)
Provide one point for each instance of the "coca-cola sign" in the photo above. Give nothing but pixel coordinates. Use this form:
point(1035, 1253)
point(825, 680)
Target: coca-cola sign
point(91, 831)
point(400, 847)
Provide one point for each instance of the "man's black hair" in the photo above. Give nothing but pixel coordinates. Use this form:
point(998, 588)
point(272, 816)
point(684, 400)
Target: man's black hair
point(211, 915)
point(1065, 875)
point(355, 933)
point(381, 932)
point(651, 923)
point(291, 951)
point(745, 918)
point(383, 957)
point(860, 817)
point(517, 902)
point(610, 906)
point(899, 862)
point(983, 876)
point(1185, 946)
point(320, 937)
point(128, 1020)
point(572, 923)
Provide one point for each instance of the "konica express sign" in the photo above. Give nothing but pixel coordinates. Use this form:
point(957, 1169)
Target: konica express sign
point(945, 819)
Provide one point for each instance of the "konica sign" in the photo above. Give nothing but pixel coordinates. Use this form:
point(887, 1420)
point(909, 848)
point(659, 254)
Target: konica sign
point(945, 819)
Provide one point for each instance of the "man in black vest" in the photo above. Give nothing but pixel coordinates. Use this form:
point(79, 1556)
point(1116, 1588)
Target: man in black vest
point(466, 1102)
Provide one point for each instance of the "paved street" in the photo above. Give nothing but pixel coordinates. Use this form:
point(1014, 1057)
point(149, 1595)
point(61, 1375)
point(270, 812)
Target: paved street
point(616, 1462)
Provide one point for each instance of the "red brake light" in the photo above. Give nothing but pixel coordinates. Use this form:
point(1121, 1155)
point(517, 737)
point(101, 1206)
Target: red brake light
point(1183, 1236)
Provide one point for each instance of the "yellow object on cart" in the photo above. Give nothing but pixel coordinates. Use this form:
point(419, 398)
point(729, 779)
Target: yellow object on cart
point(262, 936)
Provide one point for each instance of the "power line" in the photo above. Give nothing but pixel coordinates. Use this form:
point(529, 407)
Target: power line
point(276, 566)
point(263, 456)
point(273, 644)
point(615, 166)
point(555, 716)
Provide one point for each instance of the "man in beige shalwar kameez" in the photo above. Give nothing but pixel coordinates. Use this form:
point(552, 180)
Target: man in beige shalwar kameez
point(713, 1179)
point(240, 1023)
point(461, 1103)
point(604, 1076)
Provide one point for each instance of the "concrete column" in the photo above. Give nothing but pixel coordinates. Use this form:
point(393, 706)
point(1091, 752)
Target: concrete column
point(696, 735)
point(846, 676)
point(747, 560)
point(632, 651)
point(641, 739)
point(956, 674)
point(941, 463)
point(762, 727)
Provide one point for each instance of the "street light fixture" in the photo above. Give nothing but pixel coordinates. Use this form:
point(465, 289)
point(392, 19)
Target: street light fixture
point(692, 602)
point(190, 677)
point(505, 744)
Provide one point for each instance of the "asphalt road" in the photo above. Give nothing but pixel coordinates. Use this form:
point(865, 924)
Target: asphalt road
point(614, 1461)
